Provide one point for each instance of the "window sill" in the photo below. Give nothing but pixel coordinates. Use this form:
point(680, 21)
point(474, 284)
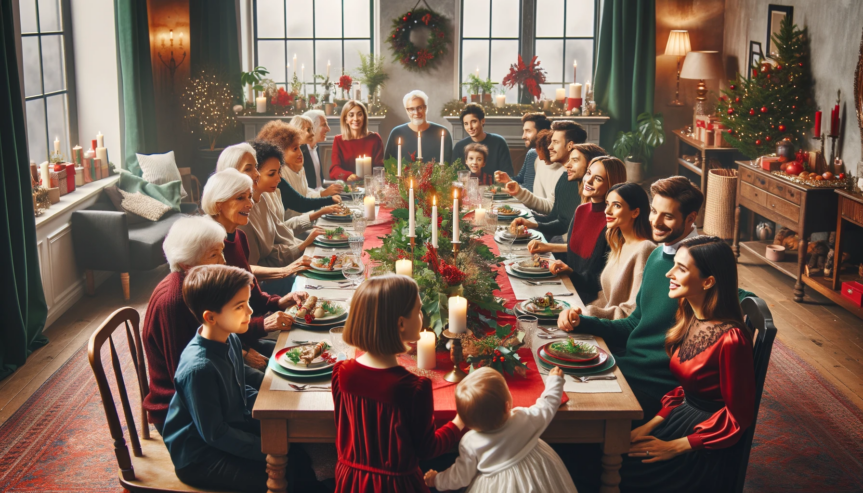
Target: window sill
point(71, 200)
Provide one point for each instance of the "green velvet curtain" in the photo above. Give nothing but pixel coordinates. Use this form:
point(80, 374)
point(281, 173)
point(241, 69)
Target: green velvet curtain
point(626, 64)
point(214, 41)
point(139, 100)
point(22, 301)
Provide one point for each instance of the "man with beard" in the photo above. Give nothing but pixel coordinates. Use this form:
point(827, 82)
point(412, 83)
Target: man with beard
point(416, 106)
point(531, 125)
point(473, 120)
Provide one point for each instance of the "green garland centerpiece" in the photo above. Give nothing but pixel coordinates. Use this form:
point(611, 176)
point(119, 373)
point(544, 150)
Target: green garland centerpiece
point(408, 54)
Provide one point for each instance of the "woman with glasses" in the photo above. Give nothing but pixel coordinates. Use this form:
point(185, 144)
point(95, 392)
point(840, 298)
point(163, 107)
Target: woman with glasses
point(355, 141)
point(416, 106)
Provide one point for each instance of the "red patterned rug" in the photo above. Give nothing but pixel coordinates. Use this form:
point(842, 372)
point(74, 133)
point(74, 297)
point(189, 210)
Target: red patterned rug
point(808, 438)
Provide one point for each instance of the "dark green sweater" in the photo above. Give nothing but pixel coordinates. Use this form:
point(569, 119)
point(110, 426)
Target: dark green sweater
point(638, 341)
point(567, 197)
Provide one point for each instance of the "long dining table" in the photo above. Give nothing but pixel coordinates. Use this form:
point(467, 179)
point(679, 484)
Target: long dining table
point(307, 417)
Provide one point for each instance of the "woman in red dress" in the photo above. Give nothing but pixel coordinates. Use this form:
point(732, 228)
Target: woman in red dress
point(384, 413)
point(355, 141)
point(685, 447)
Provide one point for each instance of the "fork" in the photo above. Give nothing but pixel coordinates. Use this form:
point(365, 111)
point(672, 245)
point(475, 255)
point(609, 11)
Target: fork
point(542, 283)
point(301, 388)
point(591, 378)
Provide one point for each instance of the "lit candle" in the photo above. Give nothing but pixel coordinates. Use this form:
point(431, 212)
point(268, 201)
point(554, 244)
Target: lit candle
point(411, 212)
point(77, 155)
point(56, 144)
point(575, 91)
point(457, 314)
point(399, 158)
point(817, 129)
point(560, 94)
point(328, 69)
point(303, 73)
point(477, 71)
point(419, 146)
point(46, 174)
point(369, 203)
point(181, 40)
point(500, 100)
point(434, 222)
point(403, 267)
point(442, 140)
point(587, 90)
point(479, 216)
point(425, 351)
point(574, 69)
point(172, 37)
point(359, 167)
point(455, 216)
point(295, 64)
point(100, 140)
point(261, 104)
point(368, 164)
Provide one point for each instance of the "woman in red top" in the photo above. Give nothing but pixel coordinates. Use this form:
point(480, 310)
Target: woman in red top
point(355, 141)
point(384, 413)
point(685, 447)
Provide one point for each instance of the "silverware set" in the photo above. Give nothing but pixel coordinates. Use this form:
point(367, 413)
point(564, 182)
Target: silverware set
point(589, 378)
point(303, 388)
point(542, 283)
point(318, 286)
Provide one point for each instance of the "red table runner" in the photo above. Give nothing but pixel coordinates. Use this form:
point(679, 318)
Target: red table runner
point(525, 390)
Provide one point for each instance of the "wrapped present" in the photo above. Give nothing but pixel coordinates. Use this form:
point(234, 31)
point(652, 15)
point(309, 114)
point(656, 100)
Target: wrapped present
point(58, 178)
point(71, 181)
point(89, 170)
point(78, 155)
point(719, 137)
point(54, 195)
point(97, 163)
point(707, 138)
point(770, 163)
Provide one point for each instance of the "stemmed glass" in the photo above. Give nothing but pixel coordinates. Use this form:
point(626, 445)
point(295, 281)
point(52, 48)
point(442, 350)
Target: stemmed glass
point(507, 238)
point(354, 269)
point(528, 324)
point(356, 243)
point(378, 174)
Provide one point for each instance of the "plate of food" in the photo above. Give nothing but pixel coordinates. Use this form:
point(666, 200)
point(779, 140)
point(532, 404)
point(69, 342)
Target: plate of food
point(318, 311)
point(326, 263)
point(572, 351)
point(543, 306)
point(296, 374)
point(306, 357)
point(507, 212)
point(496, 192)
point(521, 232)
point(602, 362)
point(533, 265)
point(513, 270)
point(342, 214)
point(335, 235)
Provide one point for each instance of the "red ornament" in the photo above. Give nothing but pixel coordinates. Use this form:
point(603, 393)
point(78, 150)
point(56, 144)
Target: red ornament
point(801, 64)
point(394, 36)
point(758, 142)
point(730, 111)
point(764, 109)
point(754, 73)
point(779, 67)
point(794, 168)
point(752, 112)
point(767, 138)
point(781, 128)
point(405, 18)
point(737, 99)
point(732, 87)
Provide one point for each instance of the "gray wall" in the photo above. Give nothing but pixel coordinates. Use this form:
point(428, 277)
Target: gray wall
point(835, 28)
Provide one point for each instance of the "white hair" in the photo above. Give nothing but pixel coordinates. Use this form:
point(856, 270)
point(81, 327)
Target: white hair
point(315, 116)
point(188, 239)
point(221, 187)
point(416, 93)
point(302, 122)
point(231, 156)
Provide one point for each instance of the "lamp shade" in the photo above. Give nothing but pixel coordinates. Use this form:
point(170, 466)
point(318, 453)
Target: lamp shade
point(702, 65)
point(678, 43)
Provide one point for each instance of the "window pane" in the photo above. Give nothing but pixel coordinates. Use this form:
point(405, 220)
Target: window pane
point(474, 55)
point(299, 18)
point(357, 18)
point(32, 68)
point(52, 63)
point(549, 18)
point(328, 18)
point(49, 16)
point(505, 19)
point(303, 51)
point(271, 55)
point(36, 139)
point(57, 122)
point(580, 18)
point(550, 53)
point(581, 50)
point(271, 18)
point(503, 54)
point(328, 51)
point(28, 16)
point(353, 48)
point(476, 19)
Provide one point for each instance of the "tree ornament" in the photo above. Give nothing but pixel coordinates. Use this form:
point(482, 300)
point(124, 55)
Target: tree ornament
point(767, 138)
point(764, 109)
point(730, 111)
point(758, 142)
point(779, 67)
point(737, 99)
point(408, 54)
point(782, 128)
point(732, 87)
point(752, 112)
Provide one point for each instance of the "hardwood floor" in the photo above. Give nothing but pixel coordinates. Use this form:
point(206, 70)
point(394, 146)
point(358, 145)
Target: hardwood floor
point(821, 333)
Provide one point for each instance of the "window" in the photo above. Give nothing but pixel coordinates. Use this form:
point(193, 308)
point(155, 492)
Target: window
point(315, 33)
point(490, 40)
point(565, 31)
point(46, 95)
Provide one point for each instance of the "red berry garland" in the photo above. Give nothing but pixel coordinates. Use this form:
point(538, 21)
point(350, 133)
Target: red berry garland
point(408, 54)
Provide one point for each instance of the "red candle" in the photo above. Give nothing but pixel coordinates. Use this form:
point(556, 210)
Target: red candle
point(834, 122)
point(817, 124)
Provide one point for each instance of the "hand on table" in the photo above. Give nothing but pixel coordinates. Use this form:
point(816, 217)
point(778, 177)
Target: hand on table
point(314, 233)
point(512, 188)
point(538, 246)
point(278, 321)
point(291, 299)
point(429, 478)
point(337, 199)
point(656, 450)
point(556, 371)
point(569, 319)
point(559, 267)
point(330, 209)
point(334, 189)
point(520, 221)
point(501, 177)
point(352, 177)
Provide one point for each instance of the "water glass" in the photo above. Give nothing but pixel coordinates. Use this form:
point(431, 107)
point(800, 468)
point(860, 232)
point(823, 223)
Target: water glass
point(463, 176)
point(369, 184)
point(529, 325)
point(359, 223)
point(338, 342)
point(508, 238)
point(356, 243)
point(490, 220)
point(355, 271)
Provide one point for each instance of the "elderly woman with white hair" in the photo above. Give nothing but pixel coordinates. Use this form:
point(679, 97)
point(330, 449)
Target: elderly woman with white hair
point(416, 107)
point(311, 153)
point(355, 141)
point(168, 323)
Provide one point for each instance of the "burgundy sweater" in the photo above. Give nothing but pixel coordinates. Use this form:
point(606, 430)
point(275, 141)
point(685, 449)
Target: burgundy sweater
point(587, 249)
point(345, 153)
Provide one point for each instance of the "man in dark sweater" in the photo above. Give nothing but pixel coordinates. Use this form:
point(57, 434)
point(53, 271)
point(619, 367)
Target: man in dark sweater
point(416, 106)
point(531, 125)
point(473, 120)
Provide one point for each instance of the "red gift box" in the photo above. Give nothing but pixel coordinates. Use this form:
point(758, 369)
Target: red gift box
point(770, 163)
point(70, 177)
point(853, 291)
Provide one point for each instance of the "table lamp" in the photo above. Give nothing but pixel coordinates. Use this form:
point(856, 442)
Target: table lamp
point(678, 45)
point(701, 65)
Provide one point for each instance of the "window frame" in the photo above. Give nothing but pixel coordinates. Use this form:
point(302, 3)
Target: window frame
point(490, 38)
point(597, 4)
point(313, 39)
point(69, 77)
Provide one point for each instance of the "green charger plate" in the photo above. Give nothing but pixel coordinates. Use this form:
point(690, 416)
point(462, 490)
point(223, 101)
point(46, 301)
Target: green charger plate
point(609, 364)
point(521, 275)
point(519, 307)
point(331, 245)
point(323, 276)
point(311, 375)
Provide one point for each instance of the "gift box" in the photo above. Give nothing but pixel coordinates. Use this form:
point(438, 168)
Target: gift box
point(70, 177)
point(79, 176)
point(54, 195)
point(78, 155)
point(770, 163)
point(719, 137)
point(853, 291)
point(707, 138)
point(58, 178)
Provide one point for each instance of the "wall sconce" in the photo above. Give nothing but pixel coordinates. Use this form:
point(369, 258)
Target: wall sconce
point(172, 64)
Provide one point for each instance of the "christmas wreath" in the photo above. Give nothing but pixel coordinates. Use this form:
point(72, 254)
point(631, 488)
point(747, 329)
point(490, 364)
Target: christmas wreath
point(407, 53)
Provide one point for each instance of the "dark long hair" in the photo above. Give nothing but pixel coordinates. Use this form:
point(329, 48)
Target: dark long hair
point(636, 198)
point(712, 257)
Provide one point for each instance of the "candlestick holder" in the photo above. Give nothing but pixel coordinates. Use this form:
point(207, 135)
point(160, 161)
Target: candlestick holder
point(455, 246)
point(455, 375)
point(172, 64)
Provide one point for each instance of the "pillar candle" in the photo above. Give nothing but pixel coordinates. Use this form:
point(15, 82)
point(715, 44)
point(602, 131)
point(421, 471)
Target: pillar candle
point(368, 166)
point(434, 222)
point(574, 70)
point(560, 94)
point(46, 174)
point(442, 145)
point(295, 64)
point(399, 158)
point(56, 144)
point(457, 315)
point(455, 237)
point(425, 351)
point(71, 177)
point(587, 90)
point(403, 267)
point(411, 211)
point(479, 216)
point(817, 130)
point(500, 100)
point(369, 203)
point(575, 91)
point(359, 167)
point(77, 155)
point(100, 140)
point(79, 176)
point(102, 154)
point(261, 104)
point(419, 146)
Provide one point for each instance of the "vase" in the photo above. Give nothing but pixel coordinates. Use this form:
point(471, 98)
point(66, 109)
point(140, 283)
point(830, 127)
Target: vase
point(486, 98)
point(633, 171)
point(328, 109)
point(474, 98)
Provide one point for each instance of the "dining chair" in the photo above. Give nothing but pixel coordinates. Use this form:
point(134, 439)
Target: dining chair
point(149, 468)
point(760, 321)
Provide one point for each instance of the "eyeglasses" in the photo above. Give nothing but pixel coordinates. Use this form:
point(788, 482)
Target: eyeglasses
point(416, 109)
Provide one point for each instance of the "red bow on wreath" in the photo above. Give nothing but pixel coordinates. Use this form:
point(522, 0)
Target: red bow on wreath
point(423, 57)
point(426, 18)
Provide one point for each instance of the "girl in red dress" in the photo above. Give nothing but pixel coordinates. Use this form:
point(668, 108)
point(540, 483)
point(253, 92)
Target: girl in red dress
point(384, 413)
point(685, 447)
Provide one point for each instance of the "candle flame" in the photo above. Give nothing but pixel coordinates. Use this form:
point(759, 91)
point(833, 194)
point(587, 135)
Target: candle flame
point(455, 193)
point(412, 182)
point(434, 200)
point(400, 141)
point(172, 34)
point(575, 63)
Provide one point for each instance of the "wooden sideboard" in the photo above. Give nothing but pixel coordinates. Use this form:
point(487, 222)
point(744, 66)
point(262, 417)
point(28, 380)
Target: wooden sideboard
point(850, 210)
point(803, 209)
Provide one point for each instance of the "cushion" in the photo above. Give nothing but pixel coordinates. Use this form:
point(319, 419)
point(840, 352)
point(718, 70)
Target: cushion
point(145, 242)
point(144, 206)
point(113, 193)
point(168, 194)
point(160, 169)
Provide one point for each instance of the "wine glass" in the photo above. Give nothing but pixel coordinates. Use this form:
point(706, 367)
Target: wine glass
point(354, 270)
point(528, 324)
point(356, 243)
point(507, 238)
point(463, 176)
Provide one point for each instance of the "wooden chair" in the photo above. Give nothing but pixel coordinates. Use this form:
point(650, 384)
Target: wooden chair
point(149, 468)
point(760, 320)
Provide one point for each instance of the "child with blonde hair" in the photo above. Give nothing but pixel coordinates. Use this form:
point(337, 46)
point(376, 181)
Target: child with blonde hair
point(503, 451)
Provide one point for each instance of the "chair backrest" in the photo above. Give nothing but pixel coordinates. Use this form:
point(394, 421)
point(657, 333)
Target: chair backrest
point(760, 320)
point(129, 318)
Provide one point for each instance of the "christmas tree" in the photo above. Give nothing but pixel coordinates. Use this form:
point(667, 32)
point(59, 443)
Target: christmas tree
point(776, 102)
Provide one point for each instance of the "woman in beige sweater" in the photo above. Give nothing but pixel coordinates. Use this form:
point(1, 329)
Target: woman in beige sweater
point(628, 234)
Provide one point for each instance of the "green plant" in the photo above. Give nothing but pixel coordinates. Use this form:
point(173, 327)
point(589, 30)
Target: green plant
point(371, 72)
point(253, 79)
point(474, 84)
point(487, 86)
point(328, 85)
point(638, 145)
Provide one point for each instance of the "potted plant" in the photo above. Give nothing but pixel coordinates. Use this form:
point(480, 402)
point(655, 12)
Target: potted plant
point(474, 85)
point(636, 147)
point(371, 73)
point(488, 88)
point(253, 79)
point(528, 76)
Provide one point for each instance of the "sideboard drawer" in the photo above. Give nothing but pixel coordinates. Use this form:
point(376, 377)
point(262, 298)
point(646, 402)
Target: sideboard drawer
point(780, 189)
point(852, 210)
point(783, 207)
point(756, 195)
point(747, 175)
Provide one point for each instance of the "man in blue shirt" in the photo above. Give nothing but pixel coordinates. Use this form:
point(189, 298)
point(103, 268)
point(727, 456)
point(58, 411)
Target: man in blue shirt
point(473, 120)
